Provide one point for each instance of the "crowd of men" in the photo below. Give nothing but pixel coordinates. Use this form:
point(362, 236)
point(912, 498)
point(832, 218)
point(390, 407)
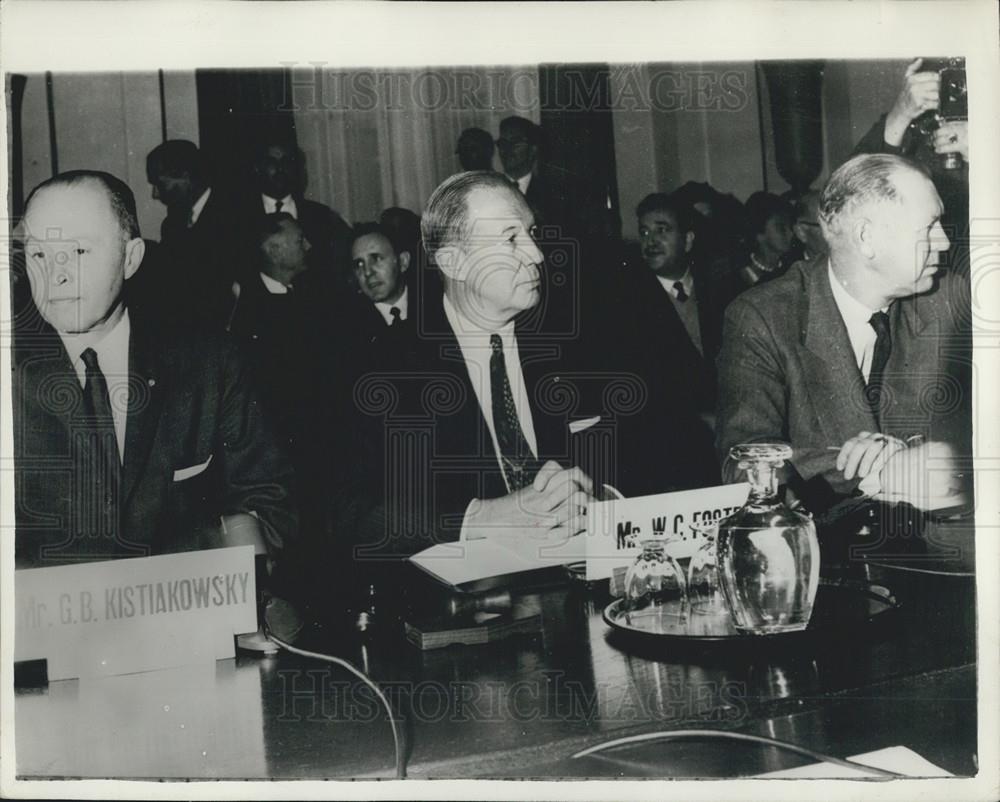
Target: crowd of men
point(353, 395)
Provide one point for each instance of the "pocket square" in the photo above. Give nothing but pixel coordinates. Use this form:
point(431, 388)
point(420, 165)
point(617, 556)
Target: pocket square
point(576, 426)
point(186, 473)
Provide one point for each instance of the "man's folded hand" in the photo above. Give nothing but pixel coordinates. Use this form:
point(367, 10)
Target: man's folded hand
point(553, 507)
point(927, 476)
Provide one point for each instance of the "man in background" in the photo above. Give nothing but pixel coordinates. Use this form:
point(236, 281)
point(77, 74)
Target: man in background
point(379, 264)
point(685, 296)
point(557, 197)
point(475, 149)
point(200, 237)
point(279, 181)
point(807, 227)
point(282, 327)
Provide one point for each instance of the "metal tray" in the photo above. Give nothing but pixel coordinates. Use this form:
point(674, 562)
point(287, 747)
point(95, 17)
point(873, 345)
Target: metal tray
point(840, 604)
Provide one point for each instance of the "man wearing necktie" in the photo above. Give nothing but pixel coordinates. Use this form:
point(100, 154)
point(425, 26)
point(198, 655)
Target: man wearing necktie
point(463, 442)
point(675, 305)
point(851, 357)
point(131, 438)
point(278, 173)
point(375, 327)
point(379, 265)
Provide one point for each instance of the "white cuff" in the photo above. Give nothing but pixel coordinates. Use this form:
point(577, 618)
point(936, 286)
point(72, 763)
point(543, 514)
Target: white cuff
point(465, 533)
point(871, 485)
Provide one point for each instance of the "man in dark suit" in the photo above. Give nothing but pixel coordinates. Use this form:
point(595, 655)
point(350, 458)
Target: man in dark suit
point(673, 302)
point(495, 428)
point(277, 323)
point(283, 328)
point(847, 358)
point(475, 149)
point(381, 322)
point(471, 439)
point(131, 439)
point(279, 177)
point(200, 238)
point(557, 197)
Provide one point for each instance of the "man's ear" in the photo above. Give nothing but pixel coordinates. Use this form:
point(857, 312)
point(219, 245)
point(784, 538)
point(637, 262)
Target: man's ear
point(449, 260)
point(269, 246)
point(688, 242)
point(863, 234)
point(404, 261)
point(135, 249)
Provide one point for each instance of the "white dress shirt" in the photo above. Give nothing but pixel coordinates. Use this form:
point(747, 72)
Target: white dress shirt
point(855, 316)
point(523, 182)
point(687, 310)
point(198, 206)
point(287, 205)
point(476, 351)
point(112, 359)
point(402, 304)
point(273, 286)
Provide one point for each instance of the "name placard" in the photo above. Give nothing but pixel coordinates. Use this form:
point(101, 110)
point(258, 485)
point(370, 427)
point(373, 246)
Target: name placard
point(615, 528)
point(124, 616)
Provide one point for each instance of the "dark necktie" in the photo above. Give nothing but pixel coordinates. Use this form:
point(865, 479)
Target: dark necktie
point(102, 445)
point(681, 295)
point(395, 314)
point(880, 356)
point(278, 205)
point(515, 454)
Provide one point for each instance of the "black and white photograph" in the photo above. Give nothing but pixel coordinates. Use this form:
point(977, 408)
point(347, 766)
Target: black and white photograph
point(517, 397)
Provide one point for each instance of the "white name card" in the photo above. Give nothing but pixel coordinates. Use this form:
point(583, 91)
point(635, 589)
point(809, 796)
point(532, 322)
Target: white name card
point(124, 616)
point(615, 528)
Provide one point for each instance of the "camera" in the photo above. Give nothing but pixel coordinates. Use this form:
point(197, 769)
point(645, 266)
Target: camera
point(954, 103)
point(954, 98)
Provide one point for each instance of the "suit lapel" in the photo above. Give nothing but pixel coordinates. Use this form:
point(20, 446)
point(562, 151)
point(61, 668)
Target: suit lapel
point(707, 310)
point(48, 379)
point(145, 403)
point(832, 375)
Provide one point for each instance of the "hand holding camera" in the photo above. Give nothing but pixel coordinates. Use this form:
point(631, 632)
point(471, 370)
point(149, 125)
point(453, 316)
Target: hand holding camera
point(951, 138)
point(920, 93)
point(933, 97)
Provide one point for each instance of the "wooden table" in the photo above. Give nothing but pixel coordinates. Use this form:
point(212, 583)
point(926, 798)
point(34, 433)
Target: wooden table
point(521, 708)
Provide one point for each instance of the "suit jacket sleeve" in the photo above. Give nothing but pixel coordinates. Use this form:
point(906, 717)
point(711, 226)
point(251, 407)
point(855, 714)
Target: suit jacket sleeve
point(753, 399)
point(256, 473)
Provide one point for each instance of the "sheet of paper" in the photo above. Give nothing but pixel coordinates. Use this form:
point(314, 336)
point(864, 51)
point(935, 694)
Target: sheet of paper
point(458, 563)
point(893, 758)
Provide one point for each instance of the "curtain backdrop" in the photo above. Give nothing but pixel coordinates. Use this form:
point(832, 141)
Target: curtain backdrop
point(380, 138)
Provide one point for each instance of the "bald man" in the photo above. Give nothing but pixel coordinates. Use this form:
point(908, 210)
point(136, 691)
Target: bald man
point(132, 439)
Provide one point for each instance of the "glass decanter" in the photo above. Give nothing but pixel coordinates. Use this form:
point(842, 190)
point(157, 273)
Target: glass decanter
point(768, 553)
point(655, 581)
